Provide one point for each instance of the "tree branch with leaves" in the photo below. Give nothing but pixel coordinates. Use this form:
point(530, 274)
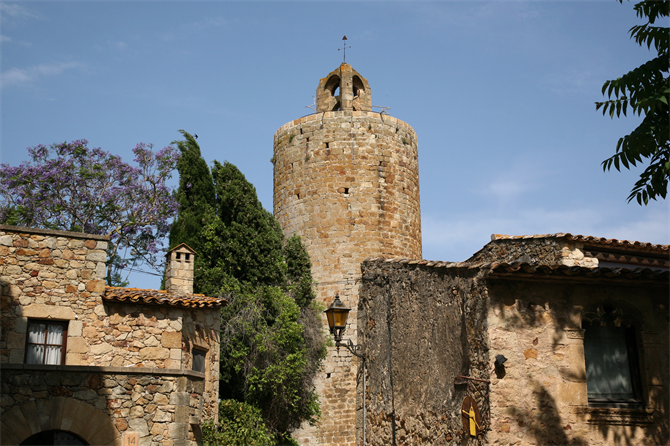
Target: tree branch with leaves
point(645, 91)
point(70, 187)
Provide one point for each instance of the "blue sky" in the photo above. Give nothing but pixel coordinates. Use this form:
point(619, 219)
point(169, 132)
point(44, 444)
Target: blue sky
point(501, 95)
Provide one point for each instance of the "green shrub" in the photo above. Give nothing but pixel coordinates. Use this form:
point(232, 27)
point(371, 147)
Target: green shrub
point(239, 424)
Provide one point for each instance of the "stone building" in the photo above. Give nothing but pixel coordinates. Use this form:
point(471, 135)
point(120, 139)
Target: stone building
point(558, 339)
point(84, 363)
point(346, 180)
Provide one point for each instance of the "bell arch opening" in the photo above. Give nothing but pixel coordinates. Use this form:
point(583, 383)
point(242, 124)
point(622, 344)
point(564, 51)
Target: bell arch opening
point(54, 437)
point(333, 84)
point(359, 86)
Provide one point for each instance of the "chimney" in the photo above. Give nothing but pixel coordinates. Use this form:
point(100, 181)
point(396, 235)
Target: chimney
point(179, 272)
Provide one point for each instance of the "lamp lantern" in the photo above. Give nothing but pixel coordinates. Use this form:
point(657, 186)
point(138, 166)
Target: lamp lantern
point(337, 314)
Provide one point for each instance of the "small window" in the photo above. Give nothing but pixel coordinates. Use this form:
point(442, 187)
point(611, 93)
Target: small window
point(611, 356)
point(46, 342)
point(199, 360)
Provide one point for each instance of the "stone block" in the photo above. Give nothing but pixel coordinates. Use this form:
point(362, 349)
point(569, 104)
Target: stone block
point(101, 349)
point(97, 256)
point(41, 311)
point(73, 358)
point(75, 328)
point(178, 431)
point(136, 412)
point(95, 286)
point(162, 417)
point(96, 421)
point(7, 240)
point(76, 345)
point(139, 425)
point(180, 398)
point(153, 353)
point(8, 434)
point(30, 414)
point(108, 435)
point(151, 341)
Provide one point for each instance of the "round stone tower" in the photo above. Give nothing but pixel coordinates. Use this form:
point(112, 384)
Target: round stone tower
point(346, 179)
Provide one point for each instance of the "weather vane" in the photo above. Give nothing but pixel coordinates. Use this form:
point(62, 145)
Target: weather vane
point(344, 49)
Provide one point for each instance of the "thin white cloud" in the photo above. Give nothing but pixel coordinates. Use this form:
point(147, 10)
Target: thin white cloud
point(15, 11)
point(519, 177)
point(18, 76)
point(4, 39)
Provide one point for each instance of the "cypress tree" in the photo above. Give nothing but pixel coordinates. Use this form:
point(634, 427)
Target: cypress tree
point(195, 194)
point(252, 243)
point(272, 343)
point(196, 199)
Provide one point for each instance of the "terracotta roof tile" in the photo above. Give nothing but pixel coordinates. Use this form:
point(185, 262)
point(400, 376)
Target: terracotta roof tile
point(519, 269)
point(579, 271)
point(161, 297)
point(613, 243)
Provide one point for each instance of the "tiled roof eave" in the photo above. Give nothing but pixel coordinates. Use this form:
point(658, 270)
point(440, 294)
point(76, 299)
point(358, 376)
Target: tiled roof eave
point(633, 246)
point(562, 272)
point(160, 297)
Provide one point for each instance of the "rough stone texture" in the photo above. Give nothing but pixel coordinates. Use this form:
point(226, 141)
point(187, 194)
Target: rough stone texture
point(540, 251)
point(418, 320)
point(421, 328)
point(353, 88)
point(133, 401)
point(60, 276)
point(347, 182)
point(33, 285)
point(542, 397)
point(179, 270)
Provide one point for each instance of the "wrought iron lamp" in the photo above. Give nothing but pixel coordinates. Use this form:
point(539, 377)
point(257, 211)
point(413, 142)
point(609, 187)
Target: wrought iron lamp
point(337, 314)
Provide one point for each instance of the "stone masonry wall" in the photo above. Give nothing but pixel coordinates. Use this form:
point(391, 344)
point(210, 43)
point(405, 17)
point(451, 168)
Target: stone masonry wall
point(540, 250)
point(48, 275)
point(160, 408)
point(59, 275)
point(541, 398)
point(421, 326)
point(347, 182)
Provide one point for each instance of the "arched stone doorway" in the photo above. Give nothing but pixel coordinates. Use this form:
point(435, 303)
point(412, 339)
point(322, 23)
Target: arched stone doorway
point(91, 425)
point(54, 437)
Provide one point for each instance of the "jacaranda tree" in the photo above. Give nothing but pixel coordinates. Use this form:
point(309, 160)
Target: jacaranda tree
point(646, 91)
point(70, 187)
point(272, 343)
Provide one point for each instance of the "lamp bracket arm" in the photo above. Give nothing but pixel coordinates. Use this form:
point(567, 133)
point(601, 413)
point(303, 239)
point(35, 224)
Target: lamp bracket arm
point(355, 349)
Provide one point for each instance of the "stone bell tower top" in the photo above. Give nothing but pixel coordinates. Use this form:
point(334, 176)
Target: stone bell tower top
point(354, 91)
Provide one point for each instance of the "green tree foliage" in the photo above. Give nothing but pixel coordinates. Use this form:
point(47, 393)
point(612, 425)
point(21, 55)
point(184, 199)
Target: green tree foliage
point(272, 343)
point(240, 423)
point(645, 90)
point(195, 194)
point(271, 349)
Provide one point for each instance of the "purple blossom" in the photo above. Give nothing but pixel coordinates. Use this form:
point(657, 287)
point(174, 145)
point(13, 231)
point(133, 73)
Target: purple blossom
point(71, 187)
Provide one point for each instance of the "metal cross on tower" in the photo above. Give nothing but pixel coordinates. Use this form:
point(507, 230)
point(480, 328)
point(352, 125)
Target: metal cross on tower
point(344, 49)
